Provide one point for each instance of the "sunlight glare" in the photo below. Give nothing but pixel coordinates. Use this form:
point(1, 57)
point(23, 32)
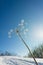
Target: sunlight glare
point(39, 34)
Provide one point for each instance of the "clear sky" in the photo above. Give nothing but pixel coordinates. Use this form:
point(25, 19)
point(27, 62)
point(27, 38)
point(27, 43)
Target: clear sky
point(12, 12)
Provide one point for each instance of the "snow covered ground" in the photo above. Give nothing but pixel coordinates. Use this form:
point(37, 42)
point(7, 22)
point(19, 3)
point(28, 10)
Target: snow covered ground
point(13, 60)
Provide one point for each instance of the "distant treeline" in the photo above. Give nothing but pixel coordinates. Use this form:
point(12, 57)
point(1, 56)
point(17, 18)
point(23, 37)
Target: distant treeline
point(37, 52)
point(6, 53)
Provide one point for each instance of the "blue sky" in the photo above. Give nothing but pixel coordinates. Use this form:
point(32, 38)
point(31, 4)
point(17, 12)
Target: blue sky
point(11, 14)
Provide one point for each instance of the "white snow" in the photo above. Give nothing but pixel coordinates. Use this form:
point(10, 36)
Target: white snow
point(13, 60)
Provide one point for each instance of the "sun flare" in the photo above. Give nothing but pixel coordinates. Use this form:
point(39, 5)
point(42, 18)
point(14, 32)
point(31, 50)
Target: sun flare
point(39, 34)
